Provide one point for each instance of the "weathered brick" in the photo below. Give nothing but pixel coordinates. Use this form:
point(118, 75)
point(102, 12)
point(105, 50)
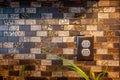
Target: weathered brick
point(113, 74)
point(30, 10)
point(101, 39)
point(57, 74)
point(4, 73)
point(30, 22)
point(97, 45)
point(104, 27)
point(74, 21)
point(19, 56)
point(40, 68)
point(89, 21)
point(41, 33)
point(13, 28)
point(103, 15)
point(110, 33)
point(107, 57)
point(114, 15)
point(1, 56)
point(46, 15)
point(46, 62)
point(35, 50)
point(57, 39)
point(35, 39)
point(107, 45)
point(107, 62)
point(71, 45)
point(68, 51)
point(30, 56)
point(8, 45)
point(113, 51)
point(68, 39)
point(114, 3)
point(109, 9)
point(63, 33)
point(71, 74)
point(103, 3)
point(63, 21)
point(97, 33)
point(91, 27)
point(102, 51)
point(96, 68)
point(35, 27)
point(113, 39)
point(52, 33)
point(14, 4)
point(20, 22)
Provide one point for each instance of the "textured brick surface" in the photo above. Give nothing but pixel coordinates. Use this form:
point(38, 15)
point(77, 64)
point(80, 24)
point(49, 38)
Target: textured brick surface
point(28, 26)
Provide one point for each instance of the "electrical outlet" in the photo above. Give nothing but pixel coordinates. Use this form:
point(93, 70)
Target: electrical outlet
point(85, 52)
point(85, 43)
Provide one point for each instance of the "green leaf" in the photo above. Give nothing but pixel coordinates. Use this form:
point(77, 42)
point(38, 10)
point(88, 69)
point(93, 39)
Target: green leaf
point(23, 68)
point(92, 74)
point(99, 76)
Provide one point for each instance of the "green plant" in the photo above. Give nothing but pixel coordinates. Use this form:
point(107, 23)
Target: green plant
point(22, 73)
point(72, 66)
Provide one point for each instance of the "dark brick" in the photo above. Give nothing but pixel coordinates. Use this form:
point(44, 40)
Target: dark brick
point(107, 57)
point(57, 62)
point(3, 50)
point(62, 45)
point(34, 16)
point(24, 16)
point(8, 10)
point(1, 77)
point(40, 56)
point(24, 3)
point(75, 3)
point(91, 15)
point(58, 15)
point(69, 56)
point(24, 27)
point(35, 78)
point(53, 10)
point(24, 62)
point(42, 10)
point(116, 69)
point(29, 45)
point(3, 39)
point(13, 73)
point(90, 63)
point(46, 73)
point(30, 33)
point(3, 27)
point(6, 67)
point(8, 56)
point(1, 22)
point(62, 78)
point(1, 34)
point(30, 67)
point(74, 33)
point(24, 50)
point(101, 39)
point(116, 45)
point(63, 9)
point(13, 39)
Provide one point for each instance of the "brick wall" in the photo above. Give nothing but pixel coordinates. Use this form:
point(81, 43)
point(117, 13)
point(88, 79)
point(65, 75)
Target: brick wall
point(28, 26)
